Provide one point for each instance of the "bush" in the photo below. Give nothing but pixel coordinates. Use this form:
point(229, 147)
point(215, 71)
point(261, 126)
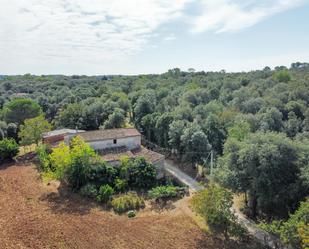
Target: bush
point(142, 175)
point(214, 204)
point(60, 159)
point(163, 192)
point(105, 193)
point(42, 152)
point(120, 184)
point(80, 158)
point(100, 173)
point(131, 214)
point(8, 149)
point(130, 201)
point(89, 190)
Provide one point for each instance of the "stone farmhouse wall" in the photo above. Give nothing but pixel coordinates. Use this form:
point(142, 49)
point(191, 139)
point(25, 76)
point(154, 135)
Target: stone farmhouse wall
point(130, 142)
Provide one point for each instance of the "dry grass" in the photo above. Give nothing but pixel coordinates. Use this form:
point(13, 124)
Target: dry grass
point(23, 150)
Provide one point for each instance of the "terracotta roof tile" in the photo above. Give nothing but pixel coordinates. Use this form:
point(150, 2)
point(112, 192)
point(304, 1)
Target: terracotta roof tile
point(150, 155)
point(107, 134)
point(116, 153)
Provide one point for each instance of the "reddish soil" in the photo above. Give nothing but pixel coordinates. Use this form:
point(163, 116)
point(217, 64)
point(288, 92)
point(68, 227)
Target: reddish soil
point(36, 215)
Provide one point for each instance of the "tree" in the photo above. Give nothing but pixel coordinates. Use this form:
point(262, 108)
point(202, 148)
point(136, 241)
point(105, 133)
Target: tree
point(253, 105)
point(18, 110)
point(144, 105)
point(32, 129)
point(239, 131)
point(195, 143)
point(214, 204)
point(293, 125)
point(271, 120)
point(115, 120)
point(266, 166)
point(306, 121)
point(282, 76)
point(148, 125)
point(175, 132)
point(215, 132)
point(298, 107)
point(71, 117)
point(97, 113)
point(162, 129)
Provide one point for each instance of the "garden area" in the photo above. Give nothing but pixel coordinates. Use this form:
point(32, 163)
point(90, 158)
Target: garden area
point(123, 188)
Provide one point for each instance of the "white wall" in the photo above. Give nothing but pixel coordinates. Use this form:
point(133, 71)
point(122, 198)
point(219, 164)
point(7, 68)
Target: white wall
point(130, 142)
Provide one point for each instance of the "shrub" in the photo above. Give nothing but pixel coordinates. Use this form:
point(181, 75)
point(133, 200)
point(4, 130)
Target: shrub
point(100, 173)
point(89, 190)
point(131, 214)
point(76, 174)
point(60, 159)
point(105, 193)
point(163, 192)
point(8, 149)
point(120, 184)
point(130, 201)
point(81, 156)
point(142, 175)
point(42, 152)
point(214, 204)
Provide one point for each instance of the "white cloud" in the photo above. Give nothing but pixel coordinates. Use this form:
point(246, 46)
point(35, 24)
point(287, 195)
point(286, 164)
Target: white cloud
point(170, 37)
point(92, 30)
point(75, 34)
point(233, 15)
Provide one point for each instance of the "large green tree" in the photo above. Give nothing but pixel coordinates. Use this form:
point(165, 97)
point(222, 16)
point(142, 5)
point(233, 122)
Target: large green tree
point(214, 204)
point(115, 120)
point(267, 167)
point(18, 110)
point(195, 144)
point(175, 132)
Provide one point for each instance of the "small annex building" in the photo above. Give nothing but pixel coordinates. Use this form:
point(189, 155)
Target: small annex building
point(113, 144)
point(56, 136)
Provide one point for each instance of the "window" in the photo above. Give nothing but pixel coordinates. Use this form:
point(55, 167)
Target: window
point(115, 141)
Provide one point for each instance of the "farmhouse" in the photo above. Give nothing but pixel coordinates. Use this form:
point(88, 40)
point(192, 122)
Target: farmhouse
point(112, 144)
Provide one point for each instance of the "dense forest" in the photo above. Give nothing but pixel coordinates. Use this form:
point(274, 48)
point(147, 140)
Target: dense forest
point(256, 123)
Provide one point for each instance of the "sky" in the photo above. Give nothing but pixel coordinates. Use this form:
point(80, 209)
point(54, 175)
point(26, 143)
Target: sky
point(99, 37)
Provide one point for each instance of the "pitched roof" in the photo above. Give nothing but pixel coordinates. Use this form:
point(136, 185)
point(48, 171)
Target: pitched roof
point(114, 154)
point(108, 134)
point(149, 155)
